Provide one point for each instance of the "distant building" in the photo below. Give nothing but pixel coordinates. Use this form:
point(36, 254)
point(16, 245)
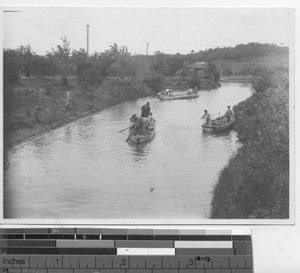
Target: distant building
point(198, 68)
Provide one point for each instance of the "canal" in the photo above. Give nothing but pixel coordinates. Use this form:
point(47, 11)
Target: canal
point(86, 170)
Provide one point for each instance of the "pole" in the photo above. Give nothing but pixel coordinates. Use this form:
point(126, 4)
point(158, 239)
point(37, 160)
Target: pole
point(87, 42)
point(147, 53)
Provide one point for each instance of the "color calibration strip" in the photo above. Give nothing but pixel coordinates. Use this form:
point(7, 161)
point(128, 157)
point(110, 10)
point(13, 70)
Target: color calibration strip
point(90, 250)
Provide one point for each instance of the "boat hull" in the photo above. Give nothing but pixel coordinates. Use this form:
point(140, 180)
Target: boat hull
point(178, 97)
point(215, 128)
point(142, 138)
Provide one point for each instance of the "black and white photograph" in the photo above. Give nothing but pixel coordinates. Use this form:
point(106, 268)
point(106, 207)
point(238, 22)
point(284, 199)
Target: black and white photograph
point(148, 113)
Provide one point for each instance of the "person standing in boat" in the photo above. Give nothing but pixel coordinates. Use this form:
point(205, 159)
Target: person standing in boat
point(228, 114)
point(207, 117)
point(145, 110)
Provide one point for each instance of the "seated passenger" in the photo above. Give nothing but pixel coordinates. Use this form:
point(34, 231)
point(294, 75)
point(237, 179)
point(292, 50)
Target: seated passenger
point(139, 125)
point(152, 121)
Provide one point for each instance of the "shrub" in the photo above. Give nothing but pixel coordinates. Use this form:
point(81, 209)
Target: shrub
point(255, 184)
point(195, 81)
point(81, 67)
point(11, 73)
point(64, 80)
point(90, 79)
point(156, 82)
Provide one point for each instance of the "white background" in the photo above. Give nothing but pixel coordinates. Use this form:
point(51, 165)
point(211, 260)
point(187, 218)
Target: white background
point(275, 247)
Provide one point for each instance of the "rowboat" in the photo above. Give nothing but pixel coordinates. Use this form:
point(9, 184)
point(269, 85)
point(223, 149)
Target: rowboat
point(177, 96)
point(142, 138)
point(218, 125)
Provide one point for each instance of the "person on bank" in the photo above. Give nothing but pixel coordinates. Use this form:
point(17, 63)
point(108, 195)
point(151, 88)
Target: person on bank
point(195, 90)
point(229, 115)
point(207, 117)
point(68, 100)
point(145, 110)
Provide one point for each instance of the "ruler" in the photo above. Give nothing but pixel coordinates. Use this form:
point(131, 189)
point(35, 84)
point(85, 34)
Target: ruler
point(90, 250)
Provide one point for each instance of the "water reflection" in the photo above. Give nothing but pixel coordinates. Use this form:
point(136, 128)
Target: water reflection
point(140, 151)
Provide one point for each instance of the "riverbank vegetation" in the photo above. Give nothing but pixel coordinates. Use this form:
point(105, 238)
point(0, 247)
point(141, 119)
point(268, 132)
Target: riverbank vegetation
point(255, 183)
point(35, 85)
point(36, 105)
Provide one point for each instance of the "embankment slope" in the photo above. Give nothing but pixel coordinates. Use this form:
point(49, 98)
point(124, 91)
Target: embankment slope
point(255, 183)
point(36, 105)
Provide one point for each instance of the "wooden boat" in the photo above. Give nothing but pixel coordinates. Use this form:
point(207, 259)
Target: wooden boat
point(177, 96)
point(142, 138)
point(218, 125)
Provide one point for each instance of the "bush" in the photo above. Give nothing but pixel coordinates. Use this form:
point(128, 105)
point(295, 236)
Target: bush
point(64, 80)
point(81, 67)
point(195, 81)
point(43, 66)
point(90, 79)
point(156, 82)
point(8, 98)
point(11, 73)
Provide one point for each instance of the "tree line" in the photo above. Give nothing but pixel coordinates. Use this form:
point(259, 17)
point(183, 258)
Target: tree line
point(241, 51)
point(117, 61)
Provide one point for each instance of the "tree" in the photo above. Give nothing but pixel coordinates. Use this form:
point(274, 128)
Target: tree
point(102, 62)
point(90, 79)
point(114, 50)
point(43, 66)
point(226, 71)
point(124, 65)
point(26, 56)
point(11, 72)
point(81, 67)
point(246, 69)
point(158, 63)
point(62, 57)
point(155, 81)
point(78, 57)
point(173, 64)
point(212, 71)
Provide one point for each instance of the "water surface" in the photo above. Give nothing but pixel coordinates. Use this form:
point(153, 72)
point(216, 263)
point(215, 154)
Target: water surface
point(85, 169)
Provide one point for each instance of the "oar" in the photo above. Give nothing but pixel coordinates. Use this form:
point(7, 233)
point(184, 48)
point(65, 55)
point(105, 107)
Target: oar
point(124, 129)
point(129, 136)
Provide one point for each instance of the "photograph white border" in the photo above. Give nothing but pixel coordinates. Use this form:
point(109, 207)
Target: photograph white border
point(146, 222)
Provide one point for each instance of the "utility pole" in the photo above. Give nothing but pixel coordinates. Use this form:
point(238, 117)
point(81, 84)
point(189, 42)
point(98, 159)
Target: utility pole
point(147, 53)
point(87, 41)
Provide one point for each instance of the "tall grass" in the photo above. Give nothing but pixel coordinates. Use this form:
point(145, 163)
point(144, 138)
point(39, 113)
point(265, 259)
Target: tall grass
point(255, 183)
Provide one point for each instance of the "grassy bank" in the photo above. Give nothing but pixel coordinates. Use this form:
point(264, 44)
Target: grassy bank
point(36, 105)
point(255, 183)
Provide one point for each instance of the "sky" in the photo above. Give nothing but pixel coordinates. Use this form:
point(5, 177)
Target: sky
point(167, 29)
